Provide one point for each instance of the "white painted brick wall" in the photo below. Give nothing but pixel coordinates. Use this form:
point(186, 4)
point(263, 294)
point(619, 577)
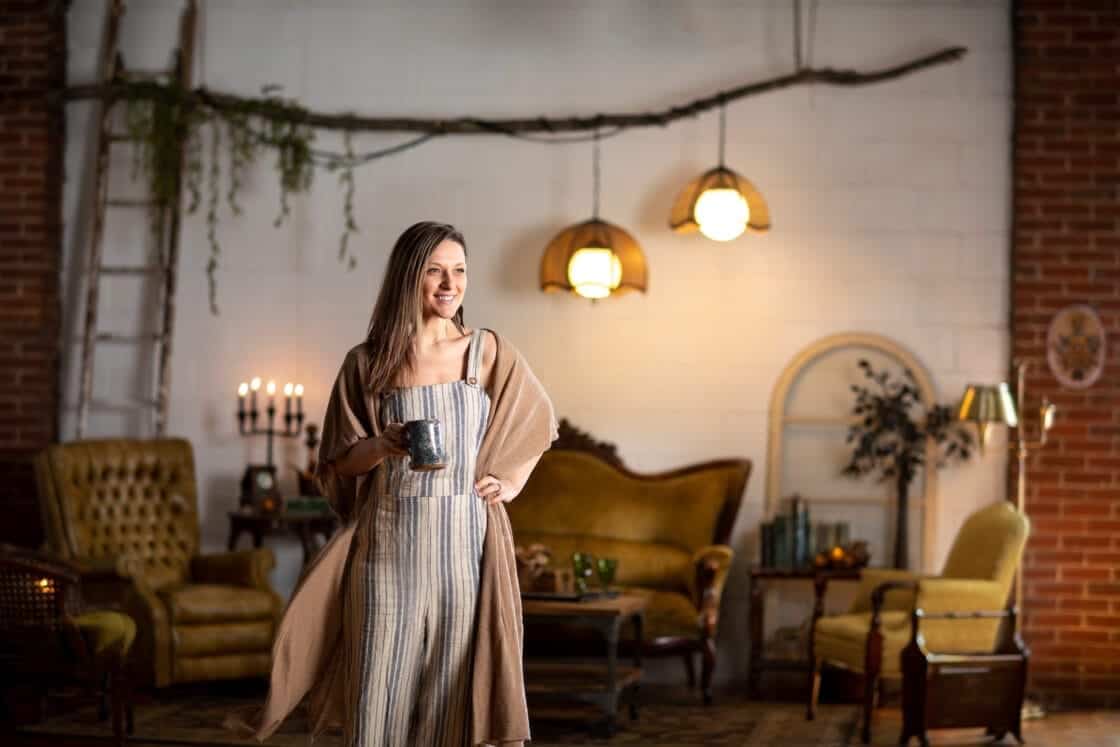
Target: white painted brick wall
point(889, 204)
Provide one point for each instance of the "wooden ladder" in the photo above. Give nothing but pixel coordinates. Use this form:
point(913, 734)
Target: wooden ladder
point(166, 217)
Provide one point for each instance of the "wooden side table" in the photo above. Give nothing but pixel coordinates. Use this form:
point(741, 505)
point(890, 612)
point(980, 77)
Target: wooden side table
point(563, 679)
point(760, 578)
point(305, 526)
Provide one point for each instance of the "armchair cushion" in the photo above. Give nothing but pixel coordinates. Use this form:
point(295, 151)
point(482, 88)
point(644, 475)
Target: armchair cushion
point(842, 639)
point(224, 638)
point(224, 667)
point(106, 633)
point(241, 568)
point(210, 603)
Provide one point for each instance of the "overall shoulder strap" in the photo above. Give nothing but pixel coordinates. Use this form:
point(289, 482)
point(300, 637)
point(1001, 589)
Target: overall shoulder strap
point(474, 357)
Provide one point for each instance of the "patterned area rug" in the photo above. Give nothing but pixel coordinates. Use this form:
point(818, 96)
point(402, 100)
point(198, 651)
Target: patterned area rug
point(667, 718)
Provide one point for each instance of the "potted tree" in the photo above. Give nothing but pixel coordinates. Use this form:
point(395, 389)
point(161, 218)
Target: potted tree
point(890, 435)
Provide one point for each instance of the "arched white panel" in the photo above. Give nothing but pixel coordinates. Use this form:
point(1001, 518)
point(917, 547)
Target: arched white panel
point(809, 417)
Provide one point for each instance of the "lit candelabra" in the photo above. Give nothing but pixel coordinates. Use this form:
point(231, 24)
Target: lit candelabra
point(293, 421)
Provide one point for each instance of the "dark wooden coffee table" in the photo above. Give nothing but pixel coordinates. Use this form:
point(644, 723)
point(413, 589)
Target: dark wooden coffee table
point(603, 683)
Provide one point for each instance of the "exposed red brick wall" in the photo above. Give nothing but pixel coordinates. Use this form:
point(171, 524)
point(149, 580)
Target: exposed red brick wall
point(32, 62)
point(1066, 251)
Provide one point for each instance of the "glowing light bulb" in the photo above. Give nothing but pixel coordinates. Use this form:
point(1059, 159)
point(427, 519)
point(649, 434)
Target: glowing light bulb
point(288, 389)
point(722, 214)
point(299, 390)
point(242, 389)
point(256, 383)
point(271, 388)
point(594, 272)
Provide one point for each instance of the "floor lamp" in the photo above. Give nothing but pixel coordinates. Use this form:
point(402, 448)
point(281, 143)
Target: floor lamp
point(988, 405)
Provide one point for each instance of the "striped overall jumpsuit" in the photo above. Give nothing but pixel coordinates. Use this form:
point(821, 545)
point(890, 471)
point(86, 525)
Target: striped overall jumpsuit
point(422, 575)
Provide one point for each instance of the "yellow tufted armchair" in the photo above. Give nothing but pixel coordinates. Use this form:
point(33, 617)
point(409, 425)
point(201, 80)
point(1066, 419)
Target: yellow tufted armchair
point(125, 513)
point(978, 576)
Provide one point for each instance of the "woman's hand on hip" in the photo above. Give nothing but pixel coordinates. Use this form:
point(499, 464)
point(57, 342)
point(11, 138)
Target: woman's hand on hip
point(492, 490)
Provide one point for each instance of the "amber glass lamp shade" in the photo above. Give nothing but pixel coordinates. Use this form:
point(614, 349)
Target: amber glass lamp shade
point(594, 259)
point(721, 205)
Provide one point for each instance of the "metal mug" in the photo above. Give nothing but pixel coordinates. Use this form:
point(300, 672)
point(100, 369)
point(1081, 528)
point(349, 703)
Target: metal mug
point(425, 445)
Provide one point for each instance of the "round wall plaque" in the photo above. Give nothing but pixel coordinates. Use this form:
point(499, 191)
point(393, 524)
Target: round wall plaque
point(1075, 346)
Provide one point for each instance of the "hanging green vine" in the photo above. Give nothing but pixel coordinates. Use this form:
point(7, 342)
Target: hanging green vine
point(160, 117)
point(346, 179)
point(212, 215)
point(192, 166)
point(242, 151)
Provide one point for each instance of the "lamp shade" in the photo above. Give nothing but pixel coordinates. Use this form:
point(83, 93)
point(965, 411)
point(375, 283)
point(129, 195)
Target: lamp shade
point(709, 204)
point(594, 259)
point(988, 405)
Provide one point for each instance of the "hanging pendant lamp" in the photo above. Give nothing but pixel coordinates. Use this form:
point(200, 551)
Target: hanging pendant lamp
point(593, 259)
point(720, 204)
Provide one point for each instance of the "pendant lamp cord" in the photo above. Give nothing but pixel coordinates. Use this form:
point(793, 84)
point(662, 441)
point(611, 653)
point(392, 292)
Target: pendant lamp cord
point(797, 35)
point(803, 57)
point(595, 177)
point(722, 130)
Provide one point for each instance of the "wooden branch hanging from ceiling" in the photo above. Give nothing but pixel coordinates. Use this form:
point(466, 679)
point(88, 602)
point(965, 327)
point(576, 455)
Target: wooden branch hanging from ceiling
point(163, 117)
point(268, 107)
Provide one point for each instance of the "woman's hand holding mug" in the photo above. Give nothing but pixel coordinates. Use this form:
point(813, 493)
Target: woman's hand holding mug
point(393, 441)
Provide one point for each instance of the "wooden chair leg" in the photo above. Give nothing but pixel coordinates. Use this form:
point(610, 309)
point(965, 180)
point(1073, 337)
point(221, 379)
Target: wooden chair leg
point(126, 698)
point(116, 701)
point(872, 668)
point(868, 707)
point(103, 700)
point(814, 690)
point(7, 715)
point(689, 669)
point(709, 664)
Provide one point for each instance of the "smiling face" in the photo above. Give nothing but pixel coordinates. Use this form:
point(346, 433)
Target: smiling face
point(444, 280)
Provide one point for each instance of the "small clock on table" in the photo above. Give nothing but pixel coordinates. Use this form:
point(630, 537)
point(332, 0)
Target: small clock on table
point(259, 489)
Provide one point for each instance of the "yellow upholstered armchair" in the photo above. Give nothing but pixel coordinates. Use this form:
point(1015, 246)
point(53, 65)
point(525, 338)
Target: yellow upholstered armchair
point(125, 514)
point(669, 532)
point(978, 576)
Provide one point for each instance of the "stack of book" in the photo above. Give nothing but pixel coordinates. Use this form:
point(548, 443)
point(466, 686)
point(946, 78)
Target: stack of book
point(786, 540)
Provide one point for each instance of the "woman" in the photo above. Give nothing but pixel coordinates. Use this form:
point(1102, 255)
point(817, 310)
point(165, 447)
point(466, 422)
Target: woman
point(407, 629)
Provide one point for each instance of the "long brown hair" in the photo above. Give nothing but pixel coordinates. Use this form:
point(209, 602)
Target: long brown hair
point(398, 312)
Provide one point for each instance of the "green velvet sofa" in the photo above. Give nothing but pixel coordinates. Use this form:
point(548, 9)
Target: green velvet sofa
point(670, 532)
